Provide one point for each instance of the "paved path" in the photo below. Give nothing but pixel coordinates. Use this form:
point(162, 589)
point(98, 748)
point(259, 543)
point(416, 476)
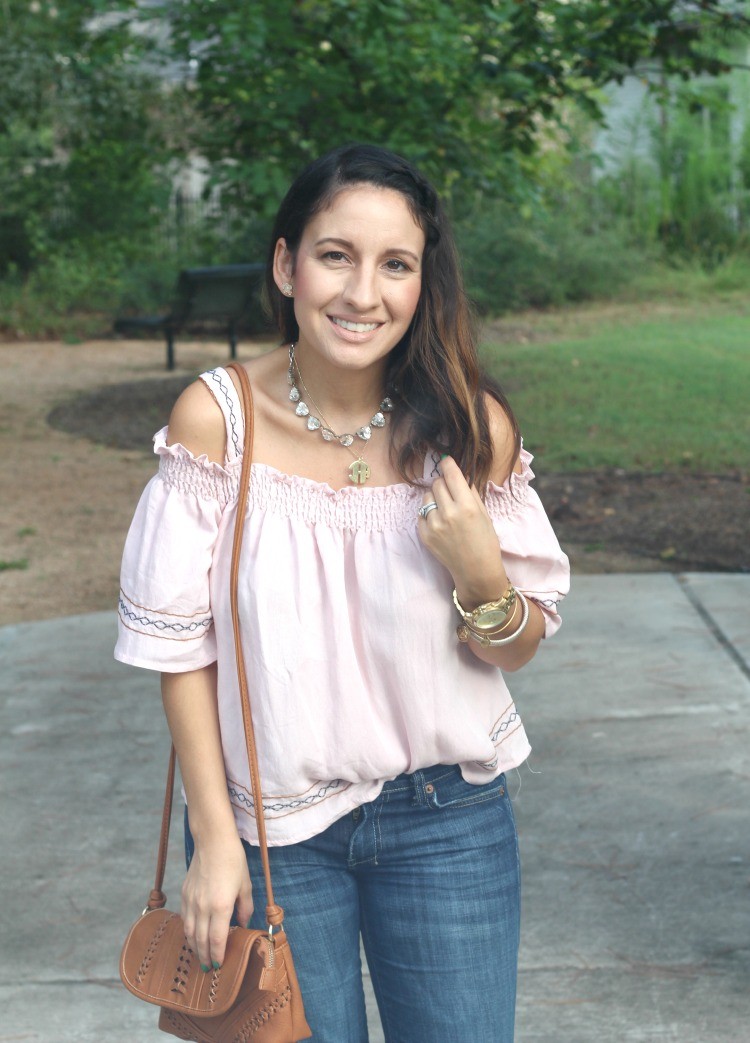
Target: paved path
point(634, 825)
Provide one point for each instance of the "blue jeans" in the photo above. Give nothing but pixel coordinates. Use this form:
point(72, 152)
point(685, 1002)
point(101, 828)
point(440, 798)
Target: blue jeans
point(428, 873)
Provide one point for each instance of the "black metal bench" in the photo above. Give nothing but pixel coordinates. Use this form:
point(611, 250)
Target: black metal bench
point(224, 298)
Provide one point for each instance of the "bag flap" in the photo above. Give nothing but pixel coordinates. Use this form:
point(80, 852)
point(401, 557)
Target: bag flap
point(157, 965)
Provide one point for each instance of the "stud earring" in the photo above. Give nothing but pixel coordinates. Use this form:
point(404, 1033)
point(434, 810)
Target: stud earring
point(288, 289)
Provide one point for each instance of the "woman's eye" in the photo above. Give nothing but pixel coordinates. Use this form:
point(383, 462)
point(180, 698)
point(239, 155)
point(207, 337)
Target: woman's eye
point(394, 265)
point(334, 255)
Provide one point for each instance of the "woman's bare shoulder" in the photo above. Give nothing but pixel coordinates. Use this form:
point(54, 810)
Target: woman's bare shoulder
point(504, 455)
point(198, 423)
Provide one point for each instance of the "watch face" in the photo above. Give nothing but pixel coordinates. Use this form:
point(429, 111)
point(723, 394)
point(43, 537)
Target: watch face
point(489, 620)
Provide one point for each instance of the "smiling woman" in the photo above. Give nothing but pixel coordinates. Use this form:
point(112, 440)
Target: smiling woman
point(356, 282)
point(396, 563)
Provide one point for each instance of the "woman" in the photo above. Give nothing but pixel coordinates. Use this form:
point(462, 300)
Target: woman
point(389, 506)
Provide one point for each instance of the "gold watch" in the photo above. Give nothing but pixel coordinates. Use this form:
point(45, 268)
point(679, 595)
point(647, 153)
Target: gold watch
point(491, 614)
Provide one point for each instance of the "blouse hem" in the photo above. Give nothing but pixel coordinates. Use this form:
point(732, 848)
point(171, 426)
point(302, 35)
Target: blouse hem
point(308, 833)
point(162, 667)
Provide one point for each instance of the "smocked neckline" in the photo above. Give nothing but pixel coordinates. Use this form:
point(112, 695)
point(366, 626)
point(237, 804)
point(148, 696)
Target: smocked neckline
point(524, 476)
point(232, 468)
point(324, 487)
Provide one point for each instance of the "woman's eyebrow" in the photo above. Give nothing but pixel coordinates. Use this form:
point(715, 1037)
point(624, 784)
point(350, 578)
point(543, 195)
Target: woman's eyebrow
point(350, 246)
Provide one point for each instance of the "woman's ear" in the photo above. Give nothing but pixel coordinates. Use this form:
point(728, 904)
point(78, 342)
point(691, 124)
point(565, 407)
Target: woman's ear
point(283, 267)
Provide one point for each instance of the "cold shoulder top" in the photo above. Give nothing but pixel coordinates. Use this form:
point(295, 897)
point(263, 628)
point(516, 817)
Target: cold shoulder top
point(348, 626)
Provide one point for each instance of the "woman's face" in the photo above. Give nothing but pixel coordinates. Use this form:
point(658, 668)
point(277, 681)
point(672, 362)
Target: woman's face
point(357, 277)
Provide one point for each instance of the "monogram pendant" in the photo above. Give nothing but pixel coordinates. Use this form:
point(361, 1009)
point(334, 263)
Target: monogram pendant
point(359, 471)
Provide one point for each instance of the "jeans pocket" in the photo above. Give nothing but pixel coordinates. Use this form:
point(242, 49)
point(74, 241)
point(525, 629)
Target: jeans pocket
point(452, 791)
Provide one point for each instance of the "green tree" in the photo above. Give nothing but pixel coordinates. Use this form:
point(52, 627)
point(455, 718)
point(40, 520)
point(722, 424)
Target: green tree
point(78, 142)
point(462, 88)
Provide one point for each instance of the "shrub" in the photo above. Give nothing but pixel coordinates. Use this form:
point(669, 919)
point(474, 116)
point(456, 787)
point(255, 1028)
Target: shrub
point(555, 255)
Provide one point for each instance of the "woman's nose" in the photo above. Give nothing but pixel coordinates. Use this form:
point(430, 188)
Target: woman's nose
point(361, 290)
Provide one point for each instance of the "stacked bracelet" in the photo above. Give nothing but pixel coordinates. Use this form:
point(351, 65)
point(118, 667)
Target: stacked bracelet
point(467, 632)
point(489, 615)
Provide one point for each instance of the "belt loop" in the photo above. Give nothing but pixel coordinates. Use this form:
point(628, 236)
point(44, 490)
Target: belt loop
point(418, 782)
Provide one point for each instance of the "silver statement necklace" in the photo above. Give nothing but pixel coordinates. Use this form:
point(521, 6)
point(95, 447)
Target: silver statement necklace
point(359, 469)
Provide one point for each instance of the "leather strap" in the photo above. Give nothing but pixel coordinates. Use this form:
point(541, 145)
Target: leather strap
point(157, 899)
point(274, 913)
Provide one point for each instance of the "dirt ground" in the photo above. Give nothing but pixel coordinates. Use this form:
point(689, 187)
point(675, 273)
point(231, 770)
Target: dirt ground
point(75, 429)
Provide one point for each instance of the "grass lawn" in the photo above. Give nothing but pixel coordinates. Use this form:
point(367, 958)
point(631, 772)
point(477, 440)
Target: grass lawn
point(640, 387)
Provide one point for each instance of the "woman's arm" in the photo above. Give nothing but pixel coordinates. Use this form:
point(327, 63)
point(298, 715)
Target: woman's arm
point(460, 534)
point(217, 882)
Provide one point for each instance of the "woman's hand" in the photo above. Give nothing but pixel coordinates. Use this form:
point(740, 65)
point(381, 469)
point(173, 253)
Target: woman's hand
point(217, 881)
point(461, 536)
point(217, 885)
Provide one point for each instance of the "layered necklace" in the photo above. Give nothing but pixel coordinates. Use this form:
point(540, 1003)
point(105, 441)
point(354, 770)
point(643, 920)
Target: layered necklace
point(359, 469)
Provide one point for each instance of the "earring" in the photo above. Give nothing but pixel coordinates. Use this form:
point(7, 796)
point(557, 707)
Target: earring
point(288, 289)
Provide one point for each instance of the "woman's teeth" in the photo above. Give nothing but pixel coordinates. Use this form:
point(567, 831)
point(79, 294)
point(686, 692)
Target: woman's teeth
point(356, 327)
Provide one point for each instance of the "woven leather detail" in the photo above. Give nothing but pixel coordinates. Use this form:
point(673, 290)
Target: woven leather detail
point(153, 945)
point(182, 970)
point(214, 987)
point(263, 1015)
point(178, 1026)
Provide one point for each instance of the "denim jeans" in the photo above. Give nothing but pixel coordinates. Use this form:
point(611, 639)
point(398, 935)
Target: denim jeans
point(428, 874)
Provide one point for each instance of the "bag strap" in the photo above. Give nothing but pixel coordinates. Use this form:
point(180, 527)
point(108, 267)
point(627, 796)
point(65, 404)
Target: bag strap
point(157, 898)
point(274, 913)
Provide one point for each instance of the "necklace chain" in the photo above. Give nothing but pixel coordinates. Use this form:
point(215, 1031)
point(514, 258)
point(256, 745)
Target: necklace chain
point(320, 411)
point(359, 471)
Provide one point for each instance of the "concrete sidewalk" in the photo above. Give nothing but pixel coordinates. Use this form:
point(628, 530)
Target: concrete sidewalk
point(634, 823)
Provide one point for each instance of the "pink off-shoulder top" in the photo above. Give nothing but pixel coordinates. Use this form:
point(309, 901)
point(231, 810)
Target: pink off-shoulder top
point(348, 626)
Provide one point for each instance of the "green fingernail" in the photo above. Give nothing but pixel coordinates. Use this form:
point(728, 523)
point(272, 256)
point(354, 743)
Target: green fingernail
point(216, 965)
point(205, 969)
point(443, 456)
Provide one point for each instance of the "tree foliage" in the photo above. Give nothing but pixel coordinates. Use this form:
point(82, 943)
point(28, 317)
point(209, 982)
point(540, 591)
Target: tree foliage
point(462, 88)
point(78, 142)
point(98, 96)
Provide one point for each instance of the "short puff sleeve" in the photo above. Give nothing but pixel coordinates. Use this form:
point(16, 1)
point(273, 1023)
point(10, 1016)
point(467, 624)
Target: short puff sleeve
point(164, 613)
point(535, 562)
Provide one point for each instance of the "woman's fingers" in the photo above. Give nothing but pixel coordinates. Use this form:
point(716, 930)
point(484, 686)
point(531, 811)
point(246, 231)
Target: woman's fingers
point(450, 490)
point(245, 904)
point(217, 883)
point(218, 931)
point(207, 933)
point(453, 481)
point(459, 532)
point(202, 944)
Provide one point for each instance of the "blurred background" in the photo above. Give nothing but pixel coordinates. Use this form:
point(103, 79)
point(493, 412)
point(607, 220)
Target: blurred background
point(585, 148)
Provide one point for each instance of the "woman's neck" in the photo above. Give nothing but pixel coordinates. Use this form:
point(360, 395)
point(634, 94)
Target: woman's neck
point(342, 395)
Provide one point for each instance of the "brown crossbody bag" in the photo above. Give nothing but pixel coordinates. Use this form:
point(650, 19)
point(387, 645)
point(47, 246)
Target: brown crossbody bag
point(255, 996)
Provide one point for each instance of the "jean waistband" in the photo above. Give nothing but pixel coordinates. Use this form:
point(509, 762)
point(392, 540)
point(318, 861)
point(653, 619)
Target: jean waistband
point(417, 780)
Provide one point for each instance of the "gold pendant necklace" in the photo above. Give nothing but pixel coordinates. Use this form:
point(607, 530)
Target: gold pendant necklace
point(359, 470)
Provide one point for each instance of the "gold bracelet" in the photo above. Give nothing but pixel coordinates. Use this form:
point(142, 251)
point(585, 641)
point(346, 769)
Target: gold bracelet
point(466, 633)
point(489, 615)
point(498, 632)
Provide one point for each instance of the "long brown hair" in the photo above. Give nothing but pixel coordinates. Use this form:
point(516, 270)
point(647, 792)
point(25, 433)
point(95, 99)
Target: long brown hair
point(435, 368)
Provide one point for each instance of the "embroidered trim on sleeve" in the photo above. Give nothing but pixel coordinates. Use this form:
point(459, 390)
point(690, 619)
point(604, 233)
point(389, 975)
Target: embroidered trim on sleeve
point(550, 602)
point(167, 625)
